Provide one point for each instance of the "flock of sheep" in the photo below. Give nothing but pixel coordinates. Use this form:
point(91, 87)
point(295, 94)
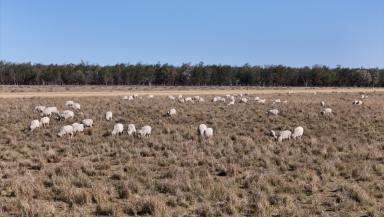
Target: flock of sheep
point(203, 130)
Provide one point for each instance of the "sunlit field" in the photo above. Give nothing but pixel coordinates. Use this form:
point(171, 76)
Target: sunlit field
point(335, 169)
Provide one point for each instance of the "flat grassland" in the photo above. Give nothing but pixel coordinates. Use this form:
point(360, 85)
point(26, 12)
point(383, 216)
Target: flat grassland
point(336, 169)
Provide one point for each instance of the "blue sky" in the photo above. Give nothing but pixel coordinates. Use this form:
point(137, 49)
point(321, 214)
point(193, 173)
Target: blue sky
point(294, 32)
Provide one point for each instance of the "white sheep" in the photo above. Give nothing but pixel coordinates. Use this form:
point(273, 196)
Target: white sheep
point(277, 101)
point(76, 106)
point(39, 108)
point(196, 98)
point(66, 130)
point(322, 103)
point(144, 131)
point(201, 99)
point(357, 102)
point(201, 129)
point(208, 132)
point(281, 135)
point(131, 129)
point(262, 101)
point(48, 111)
point(188, 99)
point(135, 95)
point(181, 100)
point(232, 102)
point(77, 128)
point(180, 96)
point(228, 95)
point(87, 122)
point(257, 98)
point(108, 115)
point(273, 112)
point(117, 129)
point(34, 124)
point(151, 96)
point(243, 100)
point(69, 103)
point(66, 114)
point(298, 132)
point(44, 121)
point(326, 111)
point(171, 112)
point(171, 97)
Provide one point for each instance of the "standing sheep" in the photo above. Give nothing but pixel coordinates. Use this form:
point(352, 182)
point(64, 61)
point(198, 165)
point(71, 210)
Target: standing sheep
point(144, 131)
point(117, 129)
point(39, 108)
point(273, 112)
point(44, 121)
point(322, 103)
point(171, 112)
point(77, 128)
point(357, 102)
point(326, 111)
point(208, 132)
point(66, 130)
point(171, 97)
point(108, 115)
point(66, 114)
point(69, 103)
point(243, 100)
point(34, 124)
point(48, 111)
point(281, 135)
point(201, 129)
point(87, 122)
point(76, 106)
point(131, 129)
point(298, 132)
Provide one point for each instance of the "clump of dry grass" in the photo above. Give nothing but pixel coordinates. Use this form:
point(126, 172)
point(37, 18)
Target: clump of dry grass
point(336, 169)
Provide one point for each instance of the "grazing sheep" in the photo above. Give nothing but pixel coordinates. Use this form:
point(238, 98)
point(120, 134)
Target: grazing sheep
point(66, 130)
point(262, 101)
point(273, 112)
point(201, 99)
point(39, 108)
point(108, 115)
point(144, 131)
point(77, 128)
point(135, 95)
point(48, 111)
point(180, 96)
point(69, 103)
point(277, 101)
point(117, 129)
point(129, 98)
point(34, 124)
point(171, 97)
point(357, 102)
point(231, 102)
point(257, 98)
point(208, 132)
point(131, 129)
point(44, 121)
point(181, 100)
point(150, 96)
point(285, 101)
point(76, 106)
point(66, 114)
point(243, 100)
point(298, 132)
point(196, 98)
point(364, 96)
point(201, 129)
point(171, 112)
point(188, 99)
point(322, 103)
point(87, 122)
point(326, 111)
point(228, 95)
point(281, 135)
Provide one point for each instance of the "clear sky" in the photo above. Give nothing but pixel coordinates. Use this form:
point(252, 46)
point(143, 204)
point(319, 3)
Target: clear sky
point(290, 32)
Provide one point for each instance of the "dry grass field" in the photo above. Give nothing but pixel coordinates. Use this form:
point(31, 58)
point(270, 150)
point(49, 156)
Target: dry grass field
point(336, 169)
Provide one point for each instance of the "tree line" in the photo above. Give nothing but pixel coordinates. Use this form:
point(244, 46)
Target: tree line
point(187, 74)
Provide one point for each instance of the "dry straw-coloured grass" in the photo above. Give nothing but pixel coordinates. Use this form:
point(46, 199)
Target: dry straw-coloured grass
point(336, 169)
